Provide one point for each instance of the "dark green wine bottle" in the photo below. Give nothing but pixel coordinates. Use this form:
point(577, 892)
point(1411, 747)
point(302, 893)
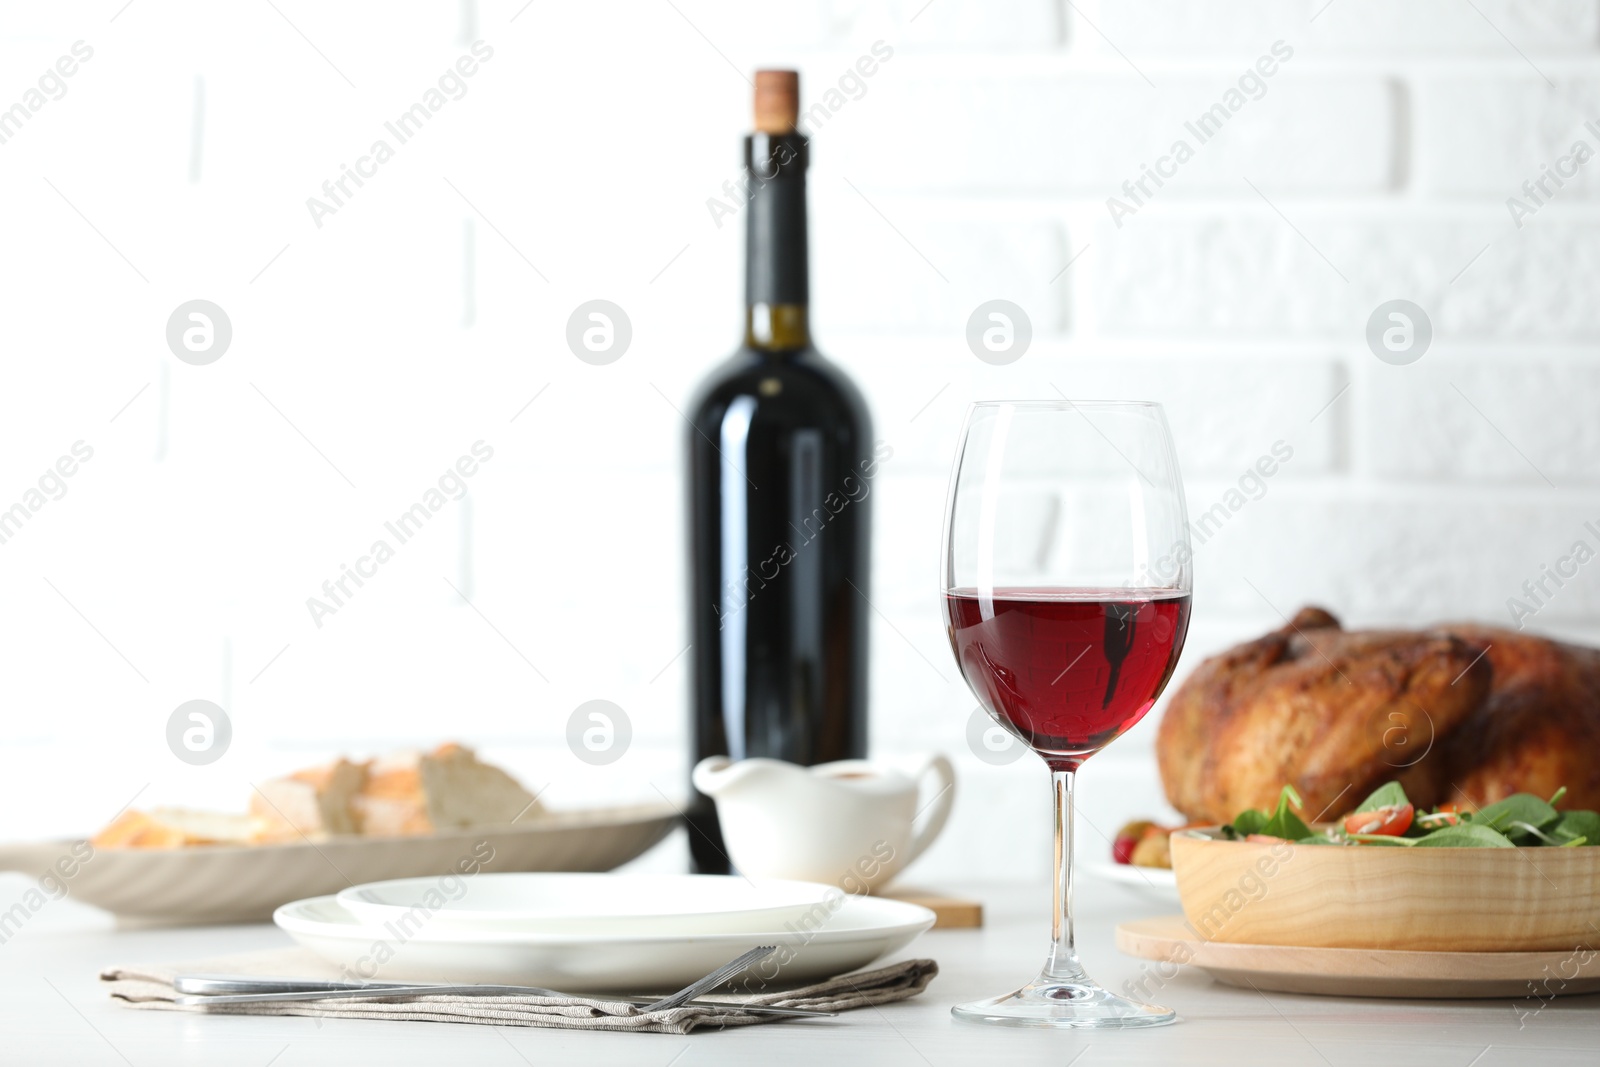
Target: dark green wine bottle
point(780, 468)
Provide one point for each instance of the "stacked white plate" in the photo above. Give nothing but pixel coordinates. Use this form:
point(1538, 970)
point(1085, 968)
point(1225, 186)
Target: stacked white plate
point(597, 932)
point(1158, 883)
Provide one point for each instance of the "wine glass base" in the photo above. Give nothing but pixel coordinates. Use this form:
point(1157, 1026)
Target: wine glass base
point(1049, 1002)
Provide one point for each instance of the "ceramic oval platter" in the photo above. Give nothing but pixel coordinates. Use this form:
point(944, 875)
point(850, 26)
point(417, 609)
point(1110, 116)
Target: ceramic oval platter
point(208, 884)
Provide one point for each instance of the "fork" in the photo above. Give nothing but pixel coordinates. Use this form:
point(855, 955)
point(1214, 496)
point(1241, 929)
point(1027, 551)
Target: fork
point(712, 980)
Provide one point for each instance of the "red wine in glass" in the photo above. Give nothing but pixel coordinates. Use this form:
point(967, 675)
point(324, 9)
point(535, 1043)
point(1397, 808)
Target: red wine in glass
point(1057, 510)
point(1069, 669)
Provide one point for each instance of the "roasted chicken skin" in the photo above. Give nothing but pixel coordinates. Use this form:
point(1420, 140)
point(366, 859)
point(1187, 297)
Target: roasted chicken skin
point(1333, 713)
point(1538, 730)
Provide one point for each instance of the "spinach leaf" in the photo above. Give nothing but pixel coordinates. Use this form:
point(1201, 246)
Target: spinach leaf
point(1384, 796)
point(1428, 821)
point(1321, 839)
point(1283, 822)
point(1524, 834)
point(1383, 840)
point(1578, 824)
point(1467, 835)
point(1286, 824)
point(1518, 807)
point(1250, 821)
point(1520, 819)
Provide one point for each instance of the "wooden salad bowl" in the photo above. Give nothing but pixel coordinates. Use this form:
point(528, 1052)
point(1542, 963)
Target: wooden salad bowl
point(1424, 899)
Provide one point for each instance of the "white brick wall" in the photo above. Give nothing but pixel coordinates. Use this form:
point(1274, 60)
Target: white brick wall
point(1487, 136)
point(1086, 135)
point(1349, 28)
point(973, 164)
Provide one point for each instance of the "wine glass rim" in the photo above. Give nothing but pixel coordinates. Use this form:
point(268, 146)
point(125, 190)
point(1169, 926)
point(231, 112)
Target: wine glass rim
point(1065, 403)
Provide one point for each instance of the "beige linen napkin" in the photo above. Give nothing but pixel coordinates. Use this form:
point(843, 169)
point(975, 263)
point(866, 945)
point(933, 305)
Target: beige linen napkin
point(150, 986)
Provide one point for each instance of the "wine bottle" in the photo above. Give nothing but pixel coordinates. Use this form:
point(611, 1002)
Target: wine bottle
point(780, 468)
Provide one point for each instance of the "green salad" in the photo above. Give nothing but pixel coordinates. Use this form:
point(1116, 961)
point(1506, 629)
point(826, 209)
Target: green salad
point(1388, 818)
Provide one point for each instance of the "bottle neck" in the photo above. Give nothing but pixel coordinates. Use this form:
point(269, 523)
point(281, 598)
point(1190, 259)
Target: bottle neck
point(776, 327)
point(777, 270)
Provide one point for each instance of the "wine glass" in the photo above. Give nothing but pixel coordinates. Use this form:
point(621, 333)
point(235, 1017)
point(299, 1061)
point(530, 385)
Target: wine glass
point(1066, 592)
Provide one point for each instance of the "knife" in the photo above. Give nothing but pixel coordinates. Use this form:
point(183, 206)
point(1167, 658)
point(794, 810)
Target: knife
point(220, 989)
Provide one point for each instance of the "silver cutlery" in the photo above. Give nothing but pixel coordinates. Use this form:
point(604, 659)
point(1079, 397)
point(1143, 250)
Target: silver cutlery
point(714, 979)
point(212, 986)
point(221, 989)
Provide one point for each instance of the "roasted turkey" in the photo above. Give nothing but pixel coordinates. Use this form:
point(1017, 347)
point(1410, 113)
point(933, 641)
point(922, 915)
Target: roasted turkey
point(1463, 713)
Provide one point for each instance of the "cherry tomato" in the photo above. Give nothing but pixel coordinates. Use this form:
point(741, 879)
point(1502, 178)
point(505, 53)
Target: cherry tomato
point(1127, 837)
point(1391, 820)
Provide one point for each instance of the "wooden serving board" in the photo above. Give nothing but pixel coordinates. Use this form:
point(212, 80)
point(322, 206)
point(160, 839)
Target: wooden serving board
point(952, 913)
point(1359, 972)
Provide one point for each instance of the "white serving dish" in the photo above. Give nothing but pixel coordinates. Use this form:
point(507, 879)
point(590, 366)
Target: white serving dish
point(588, 903)
point(1157, 883)
point(858, 931)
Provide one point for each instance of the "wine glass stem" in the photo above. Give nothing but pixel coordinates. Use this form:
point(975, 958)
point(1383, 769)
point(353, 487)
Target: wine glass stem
point(1063, 964)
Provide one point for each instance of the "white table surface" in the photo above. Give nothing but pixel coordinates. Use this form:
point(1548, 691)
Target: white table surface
point(52, 1010)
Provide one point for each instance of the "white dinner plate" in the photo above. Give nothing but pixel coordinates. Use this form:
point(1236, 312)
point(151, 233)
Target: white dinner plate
point(589, 903)
point(846, 934)
point(1158, 883)
point(227, 883)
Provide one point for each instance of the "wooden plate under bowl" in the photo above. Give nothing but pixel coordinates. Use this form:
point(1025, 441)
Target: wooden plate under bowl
point(1423, 899)
point(1351, 972)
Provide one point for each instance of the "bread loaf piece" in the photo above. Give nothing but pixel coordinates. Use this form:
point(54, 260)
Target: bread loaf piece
point(176, 828)
point(397, 796)
point(312, 804)
point(446, 789)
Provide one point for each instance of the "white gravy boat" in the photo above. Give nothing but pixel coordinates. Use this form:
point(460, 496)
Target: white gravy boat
point(853, 824)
